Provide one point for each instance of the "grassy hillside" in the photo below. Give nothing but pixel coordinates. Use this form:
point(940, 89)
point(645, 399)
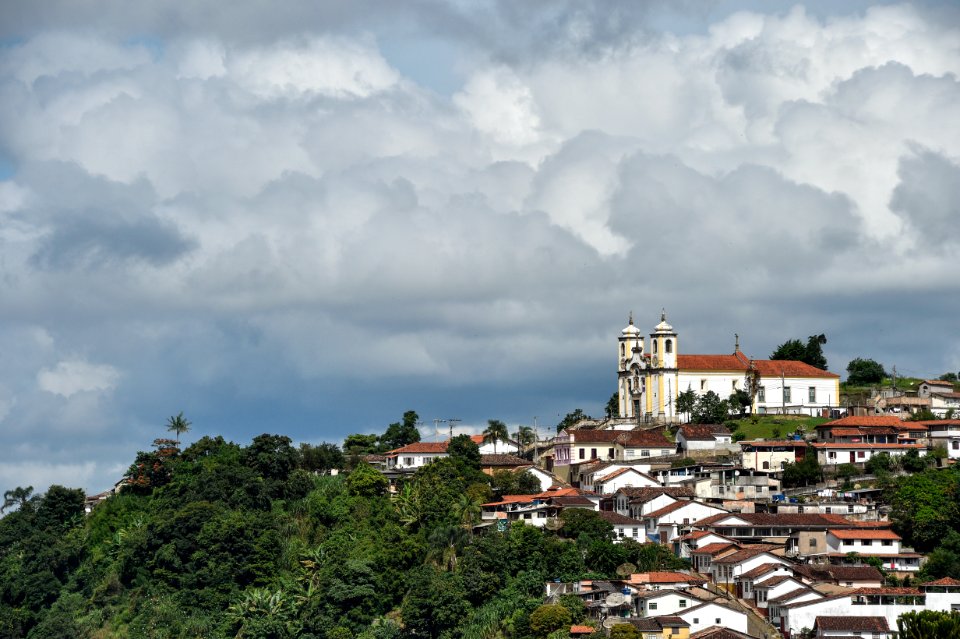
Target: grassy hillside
point(767, 426)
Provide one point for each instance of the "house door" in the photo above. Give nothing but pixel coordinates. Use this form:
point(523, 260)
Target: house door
point(853, 457)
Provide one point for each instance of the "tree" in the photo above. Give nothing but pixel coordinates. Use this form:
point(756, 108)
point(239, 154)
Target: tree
point(792, 349)
point(549, 618)
point(686, 402)
point(948, 377)
point(929, 624)
point(579, 521)
point(463, 450)
point(944, 561)
point(366, 481)
point(525, 437)
point(435, 603)
point(571, 418)
point(178, 424)
point(710, 409)
point(16, 497)
point(360, 444)
point(401, 433)
point(612, 408)
point(624, 631)
point(740, 401)
point(495, 431)
point(865, 371)
point(804, 472)
point(795, 350)
point(320, 458)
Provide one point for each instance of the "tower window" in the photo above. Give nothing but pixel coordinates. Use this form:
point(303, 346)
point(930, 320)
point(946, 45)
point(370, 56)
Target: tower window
point(654, 346)
point(623, 350)
point(669, 346)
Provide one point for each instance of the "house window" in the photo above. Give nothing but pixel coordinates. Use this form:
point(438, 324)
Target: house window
point(813, 543)
point(812, 394)
point(683, 603)
point(526, 515)
point(703, 384)
point(766, 465)
point(850, 508)
point(610, 453)
point(887, 542)
point(867, 542)
point(733, 385)
point(408, 461)
point(786, 393)
point(832, 455)
point(762, 394)
point(829, 510)
point(636, 532)
point(593, 453)
point(582, 453)
point(956, 445)
point(669, 345)
point(629, 452)
point(847, 542)
point(653, 605)
point(644, 453)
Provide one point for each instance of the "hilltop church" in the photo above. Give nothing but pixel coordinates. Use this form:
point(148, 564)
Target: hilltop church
point(649, 381)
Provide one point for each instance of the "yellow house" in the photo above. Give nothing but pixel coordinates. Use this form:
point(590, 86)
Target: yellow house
point(666, 627)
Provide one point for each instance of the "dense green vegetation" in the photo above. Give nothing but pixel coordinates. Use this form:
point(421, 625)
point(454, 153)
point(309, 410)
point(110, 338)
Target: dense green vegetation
point(223, 540)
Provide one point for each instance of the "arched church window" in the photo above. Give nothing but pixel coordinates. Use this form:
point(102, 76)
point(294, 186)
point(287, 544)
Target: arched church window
point(622, 350)
point(669, 346)
point(654, 346)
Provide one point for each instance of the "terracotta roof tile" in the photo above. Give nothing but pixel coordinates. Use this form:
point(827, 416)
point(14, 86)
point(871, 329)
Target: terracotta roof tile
point(740, 555)
point(761, 570)
point(599, 436)
point(702, 432)
point(714, 548)
point(421, 447)
point(719, 632)
point(664, 577)
point(653, 438)
point(945, 581)
point(793, 594)
point(852, 623)
point(864, 420)
point(582, 630)
point(618, 519)
point(864, 534)
point(649, 493)
point(503, 460)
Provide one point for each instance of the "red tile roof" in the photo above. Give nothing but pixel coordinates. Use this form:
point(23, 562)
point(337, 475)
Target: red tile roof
point(588, 436)
point(945, 581)
point(864, 420)
point(864, 534)
point(714, 548)
point(644, 439)
point(664, 577)
point(649, 493)
point(774, 368)
point(421, 447)
point(711, 363)
point(619, 520)
point(938, 382)
point(669, 508)
point(863, 445)
point(702, 432)
point(738, 362)
point(503, 460)
point(582, 630)
point(852, 623)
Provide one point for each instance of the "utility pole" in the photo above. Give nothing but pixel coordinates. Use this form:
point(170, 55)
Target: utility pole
point(893, 379)
point(536, 433)
point(436, 427)
point(452, 421)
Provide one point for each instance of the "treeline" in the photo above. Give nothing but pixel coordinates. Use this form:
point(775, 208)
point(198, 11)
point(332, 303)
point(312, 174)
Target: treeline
point(224, 540)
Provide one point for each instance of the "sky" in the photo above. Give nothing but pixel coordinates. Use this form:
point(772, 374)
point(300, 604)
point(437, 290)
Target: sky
point(308, 218)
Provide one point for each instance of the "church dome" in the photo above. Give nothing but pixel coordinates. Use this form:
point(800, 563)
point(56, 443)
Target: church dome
point(630, 330)
point(663, 326)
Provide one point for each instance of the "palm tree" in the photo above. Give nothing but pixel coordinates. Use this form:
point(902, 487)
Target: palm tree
point(445, 542)
point(179, 425)
point(468, 510)
point(17, 496)
point(525, 436)
point(495, 431)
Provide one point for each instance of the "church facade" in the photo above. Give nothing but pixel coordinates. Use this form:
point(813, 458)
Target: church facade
point(650, 380)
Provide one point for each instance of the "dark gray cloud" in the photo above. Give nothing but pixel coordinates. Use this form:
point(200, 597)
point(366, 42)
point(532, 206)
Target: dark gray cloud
point(928, 196)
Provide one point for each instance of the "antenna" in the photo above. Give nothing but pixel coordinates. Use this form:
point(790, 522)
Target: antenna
point(452, 421)
point(436, 427)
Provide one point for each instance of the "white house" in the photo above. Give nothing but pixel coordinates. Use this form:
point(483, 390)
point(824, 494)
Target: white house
point(727, 569)
point(416, 455)
point(666, 523)
point(703, 437)
point(863, 541)
point(771, 455)
point(775, 586)
point(946, 433)
point(636, 502)
point(833, 454)
point(610, 479)
point(888, 603)
point(942, 396)
point(664, 602)
point(625, 527)
point(714, 613)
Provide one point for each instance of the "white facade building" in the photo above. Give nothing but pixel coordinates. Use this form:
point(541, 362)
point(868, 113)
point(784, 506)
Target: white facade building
point(649, 382)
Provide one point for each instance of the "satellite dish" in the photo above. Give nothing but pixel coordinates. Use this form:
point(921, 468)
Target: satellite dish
point(553, 523)
point(625, 570)
point(615, 599)
point(610, 622)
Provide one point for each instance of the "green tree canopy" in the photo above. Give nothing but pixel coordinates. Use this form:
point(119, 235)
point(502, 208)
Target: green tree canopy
point(929, 624)
point(549, 618)
point(463, 450)
point(865, 371)
point(612, 409)
point(401, 433)
point(809, 353)
point(572, 418)
point(360, 444)
point(366, 481)
point(321, 458)
point(178, 424)
point(710, 409)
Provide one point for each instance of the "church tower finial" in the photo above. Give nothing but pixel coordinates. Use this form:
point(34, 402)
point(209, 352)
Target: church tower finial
point(630, 321)
point(663, 315)
point(736, 343)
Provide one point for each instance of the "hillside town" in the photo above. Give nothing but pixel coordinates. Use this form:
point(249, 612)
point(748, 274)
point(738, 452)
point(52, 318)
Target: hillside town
point(767, 559)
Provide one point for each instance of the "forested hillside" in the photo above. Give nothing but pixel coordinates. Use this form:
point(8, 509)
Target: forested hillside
point(221, 540)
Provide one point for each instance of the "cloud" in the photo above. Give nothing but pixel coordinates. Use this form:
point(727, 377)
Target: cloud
point(76, 376)
point(261, 219)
